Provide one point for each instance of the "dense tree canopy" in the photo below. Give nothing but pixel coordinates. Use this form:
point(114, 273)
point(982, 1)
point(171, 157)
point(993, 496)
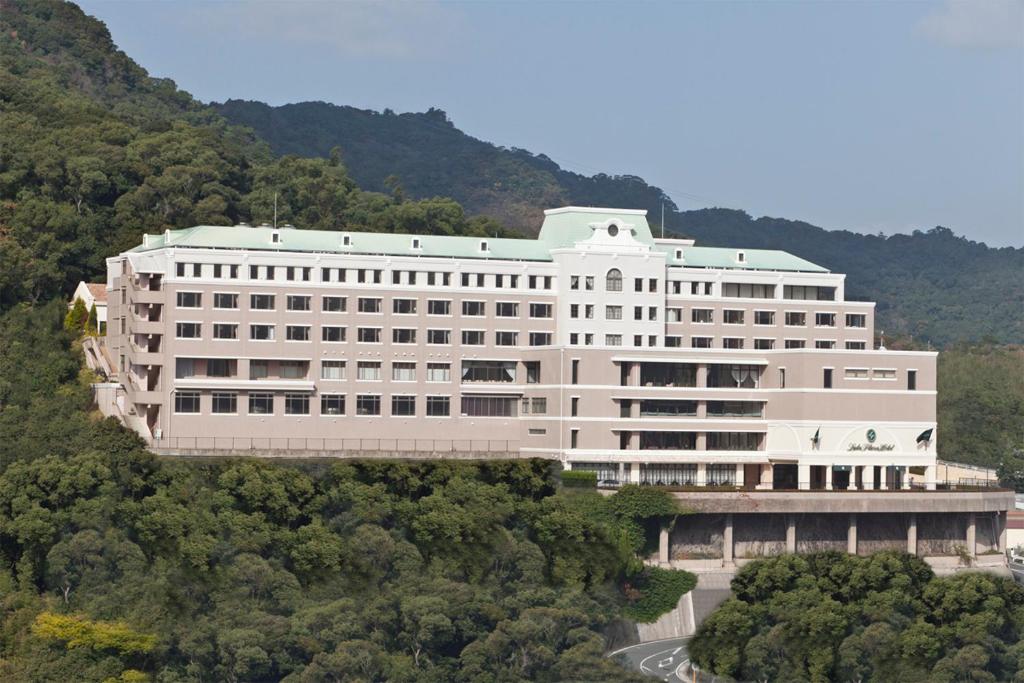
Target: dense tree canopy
point(831, 617)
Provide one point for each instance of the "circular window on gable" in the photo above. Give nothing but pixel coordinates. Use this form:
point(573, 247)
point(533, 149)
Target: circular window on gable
point(613, 230)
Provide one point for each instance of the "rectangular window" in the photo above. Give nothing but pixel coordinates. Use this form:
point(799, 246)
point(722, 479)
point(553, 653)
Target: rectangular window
point(489, 406)
point(225, 402)
point(190, 300)
point(638, 284)
point(367, 405)
point(439, 406)
point(332, 404)
point(796, 319)
point(732, 317)
point(702, 315)
point(225, 331)
point(332, 333)
point(575, 371)
point(574, 406)
point(261, 332)
point(369, 335)
point(189, 330)
point(403, 406)
point(574, 282)
point(473, 308)
point(505, 338)
point(440, 337)
point(488, 371)
point(261, 302)
point(540, 310)
point(439, 307)
point(613, 312)
point(826, 378)
point(293, 369)
point(574, 311)
point(856, 346)
point(532, 371)
point(808, 293)
point(332, 369)
point(334, 304)
point(652, 285)
point(225, 300)
point(296, 404)
point(186, 402)
point(369, 305)
point(439, 372)
point(748, 291)
point(403, 335)
point(638, 313)
point(652, 312)
point(588, 283)
point(795, 343)
point(911, 380)
point(404, 306)
point(259, 369)
point(184, 368)
point(764, 344)
point(298, 302)
point(673, 342)
point(613, 340)
point(540, 339)
point(825, 344)
point(782, 378)
point(403, 372)
point(368, 371)
point(536, 406)
point(473, 337)
point(673, 315)
point(220, 367)
point(701, 342)
point(179, 269)
point(261, 404)
point(858, 320)
point(297, 333)
point(574, 338)
point(506, 309)
point(824, 319)
point(764, 317)
point(883, 374)
point(855, 373)
point(732, 342)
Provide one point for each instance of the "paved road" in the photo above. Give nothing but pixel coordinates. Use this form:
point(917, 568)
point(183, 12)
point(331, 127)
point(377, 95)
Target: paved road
point(659, 658)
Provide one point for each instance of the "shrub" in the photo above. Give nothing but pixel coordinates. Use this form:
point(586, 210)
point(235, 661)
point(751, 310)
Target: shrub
point(659, 591)
point(579, 479)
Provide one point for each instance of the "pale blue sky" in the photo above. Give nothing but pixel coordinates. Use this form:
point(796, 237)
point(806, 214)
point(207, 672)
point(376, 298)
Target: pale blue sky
point(868, 116)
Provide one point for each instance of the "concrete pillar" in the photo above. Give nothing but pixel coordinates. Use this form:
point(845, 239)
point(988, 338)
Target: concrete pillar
point(663, 547)
point(851, 535)
point(905, 478)
point(852, 484)
point(634, 473)
point(869, 477)
point(929, 477)
point(1001, 528)
point(727, 543)
point(702, 409)
point(702, 474)
point(791, 534)
point(767, 477)
point(702, 375)
point(803, 477)
point(828, 477)
point(622, 472)
point(702, 441)
point(739, 475)
point(972, 535)
point(912, 533)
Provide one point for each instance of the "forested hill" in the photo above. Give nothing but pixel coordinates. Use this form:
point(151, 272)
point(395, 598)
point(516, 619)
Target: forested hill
point(934, 285)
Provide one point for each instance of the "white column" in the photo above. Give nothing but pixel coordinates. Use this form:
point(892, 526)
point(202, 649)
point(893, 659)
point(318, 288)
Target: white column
point(905, 478)
point(852, 485)
point(767, 477)
point(727, 543)
point(622, 472)
point(869, 477)
point(702, 474)
point(634, 473)
point(912, 534)
point(972, 545)
point(803, 476)
point(828, 477)
point(851, 535)
point(663, 547)
point(791, 534)
point(929, 477)
point(739, 475)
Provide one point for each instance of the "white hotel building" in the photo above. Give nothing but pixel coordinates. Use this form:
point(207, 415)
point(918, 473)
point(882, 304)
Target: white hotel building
point(596, 344)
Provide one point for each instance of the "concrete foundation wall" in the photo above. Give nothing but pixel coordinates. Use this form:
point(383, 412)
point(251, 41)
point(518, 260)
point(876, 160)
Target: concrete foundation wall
point(941, 533)
point(759, 535)
point(877, 532)
point(697, 537)
point(815, 533)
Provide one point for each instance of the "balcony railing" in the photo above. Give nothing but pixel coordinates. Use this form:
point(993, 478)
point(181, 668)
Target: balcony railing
point(330, 446)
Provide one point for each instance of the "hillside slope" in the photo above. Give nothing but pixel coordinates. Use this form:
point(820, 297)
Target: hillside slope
point(934, 285)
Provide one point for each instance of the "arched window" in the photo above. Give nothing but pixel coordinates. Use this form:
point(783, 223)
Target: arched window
point(613, 281)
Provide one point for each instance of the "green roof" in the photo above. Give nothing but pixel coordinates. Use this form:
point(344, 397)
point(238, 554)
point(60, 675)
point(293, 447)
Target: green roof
point(561, 228)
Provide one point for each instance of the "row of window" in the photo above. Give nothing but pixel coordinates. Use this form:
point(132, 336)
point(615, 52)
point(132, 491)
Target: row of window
point(366, 370)
point(362, 276)
point(364, 335)
point(675, 341)
point(263, 403)
point(888, 374)
point(339, 304)
point(613, 283)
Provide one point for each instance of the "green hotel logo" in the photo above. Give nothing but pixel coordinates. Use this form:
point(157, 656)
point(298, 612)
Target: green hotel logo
point(871, 436)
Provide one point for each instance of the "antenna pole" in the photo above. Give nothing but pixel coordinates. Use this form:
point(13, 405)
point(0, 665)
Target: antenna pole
point(275, 209)
point(662, 220)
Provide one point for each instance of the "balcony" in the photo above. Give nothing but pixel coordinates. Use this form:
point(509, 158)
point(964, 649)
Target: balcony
point(143, 326)
point(147, 296)
point(148, 397)
point(140, 356)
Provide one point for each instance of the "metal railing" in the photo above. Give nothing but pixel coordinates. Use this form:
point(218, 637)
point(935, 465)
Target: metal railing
point(813, 487)
point(332, 445)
